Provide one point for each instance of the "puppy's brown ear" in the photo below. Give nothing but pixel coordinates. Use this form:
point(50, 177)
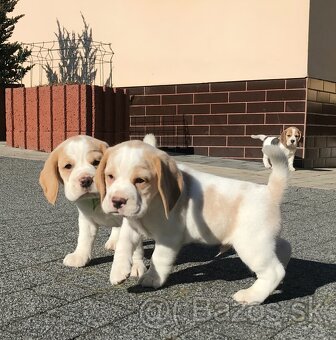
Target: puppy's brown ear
point(100, 176)
point(283, 137)
point(170, 181)
point(300, 135)
point(103, 147)
point(49, 177)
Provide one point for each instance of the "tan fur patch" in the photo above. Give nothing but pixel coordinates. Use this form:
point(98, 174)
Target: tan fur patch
point(220, 213)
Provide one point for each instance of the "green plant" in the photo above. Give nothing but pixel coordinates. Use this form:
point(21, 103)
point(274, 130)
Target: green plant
point(12, 54)
point(77, 57)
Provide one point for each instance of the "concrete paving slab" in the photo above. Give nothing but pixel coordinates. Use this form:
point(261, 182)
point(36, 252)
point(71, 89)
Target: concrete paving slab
point(42, 299)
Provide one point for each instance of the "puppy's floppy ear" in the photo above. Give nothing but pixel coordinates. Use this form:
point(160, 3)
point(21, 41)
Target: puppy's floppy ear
point(283, 137)
point(49, 177)
point(100, 176)
point(170, 181)
point(103, 146)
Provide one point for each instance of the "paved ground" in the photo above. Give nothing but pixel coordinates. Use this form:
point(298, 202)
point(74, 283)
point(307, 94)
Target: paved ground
point(42, 299)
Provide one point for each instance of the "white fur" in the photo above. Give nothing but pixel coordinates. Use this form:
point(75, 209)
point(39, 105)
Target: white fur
point(292, 136)
point(255, 223)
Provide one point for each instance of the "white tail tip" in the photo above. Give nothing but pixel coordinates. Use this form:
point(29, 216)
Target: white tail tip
point(150, 139)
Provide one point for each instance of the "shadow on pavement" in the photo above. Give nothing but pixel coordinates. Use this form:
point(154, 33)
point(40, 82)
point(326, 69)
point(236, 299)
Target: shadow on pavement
point(303, 277)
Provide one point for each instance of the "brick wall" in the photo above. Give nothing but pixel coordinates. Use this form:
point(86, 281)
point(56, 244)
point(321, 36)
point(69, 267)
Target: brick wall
point(217, 119)
point(39, 118)
point(321, 124)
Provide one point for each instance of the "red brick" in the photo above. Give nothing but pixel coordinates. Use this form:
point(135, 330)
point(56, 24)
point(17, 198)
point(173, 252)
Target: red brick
point(174, 141)
point(193, 88)
point(137, 110)
point(97, 111)
point(228, 108)
point(286, 95)
point(86, 122)
point(161, 110)
point(160, 89)
point(226, 152)
point(146, 100)
point(203, 151)
point(138, 90)
point(227, 130)
point(296, 83)
point(247, 96)
point(193, 109)
point(177, 120)
point(193, 130)
point(253, 152)
point(266, 84)
point(249, 118)
point(210, 119)
point(243, 141)
point(9, 117)
point(19, 109)
point(295, 106)
point(45, 118)
point(72, 103)
point(211, 98)
point(228, 86)
point(32, 118)
point(177, 99)
point(269, 130)
point(265, 107)
point(58, 114)
point(209, 140)
point(285, 118)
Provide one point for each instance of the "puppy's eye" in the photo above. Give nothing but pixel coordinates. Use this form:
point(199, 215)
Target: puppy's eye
point(68, 166)
point(110, 176)
point(95, 162)
point(288, 136)
point(139, 180)
point(296, 136)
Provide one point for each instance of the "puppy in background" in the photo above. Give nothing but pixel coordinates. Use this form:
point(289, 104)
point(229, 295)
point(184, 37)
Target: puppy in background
point(73, 163)
point(288, 142)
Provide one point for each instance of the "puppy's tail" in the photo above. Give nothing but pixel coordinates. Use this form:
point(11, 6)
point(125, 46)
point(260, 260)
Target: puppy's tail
point(278, 179)
point(150, 139)
point(261, 137)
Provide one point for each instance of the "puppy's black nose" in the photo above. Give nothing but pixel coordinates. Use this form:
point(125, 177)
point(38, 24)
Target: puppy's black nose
point(118, 202)
point(86, 182)
point(292, 141)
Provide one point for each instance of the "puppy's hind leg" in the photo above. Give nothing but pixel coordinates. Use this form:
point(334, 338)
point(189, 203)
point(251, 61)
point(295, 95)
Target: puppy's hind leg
point(261, 259)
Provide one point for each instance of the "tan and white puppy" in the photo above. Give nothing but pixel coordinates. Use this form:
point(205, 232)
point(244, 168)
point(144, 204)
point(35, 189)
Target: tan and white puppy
point(176, 205)
point(288, 142)
point(74, 163)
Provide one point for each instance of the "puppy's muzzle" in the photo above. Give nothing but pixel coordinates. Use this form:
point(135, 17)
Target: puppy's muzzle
point(85, 182)
point(292, 141)
point(118, 202)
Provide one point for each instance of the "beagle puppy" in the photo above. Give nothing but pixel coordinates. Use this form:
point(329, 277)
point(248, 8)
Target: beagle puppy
point(175, 205)
point(288, 142)
point(73, 163)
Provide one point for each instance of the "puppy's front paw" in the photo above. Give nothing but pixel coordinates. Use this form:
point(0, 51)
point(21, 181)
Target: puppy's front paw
point(292, 169)
point(138, 269)
point(247, 297)
point(151, 279)
point(119, 273)
point(110, 245)
point(75, 260)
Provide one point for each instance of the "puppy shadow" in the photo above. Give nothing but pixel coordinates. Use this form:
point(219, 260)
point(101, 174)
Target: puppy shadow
point(303, 277)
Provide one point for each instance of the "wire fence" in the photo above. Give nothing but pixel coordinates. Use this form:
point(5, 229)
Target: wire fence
point(48, 55)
